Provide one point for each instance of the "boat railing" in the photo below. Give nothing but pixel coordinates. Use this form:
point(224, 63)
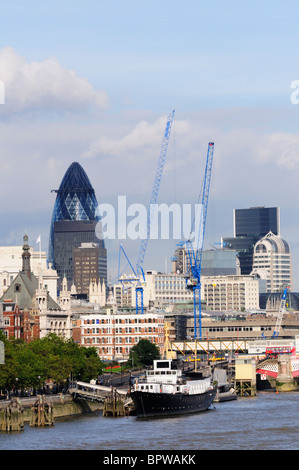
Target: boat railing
point(158, 379)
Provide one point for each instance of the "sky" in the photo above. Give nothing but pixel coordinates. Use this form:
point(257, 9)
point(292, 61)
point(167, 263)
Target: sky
point(94, 82)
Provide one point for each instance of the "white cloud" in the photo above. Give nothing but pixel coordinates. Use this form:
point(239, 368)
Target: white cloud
point(280, 148)
point(142, 135)
point(44, 85)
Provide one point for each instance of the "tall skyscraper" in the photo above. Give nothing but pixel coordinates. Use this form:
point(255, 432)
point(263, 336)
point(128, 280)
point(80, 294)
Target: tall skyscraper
point(74, 222)
point(256, 221)
point(250, 225)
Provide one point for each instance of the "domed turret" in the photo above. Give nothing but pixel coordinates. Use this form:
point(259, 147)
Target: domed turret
point(272, 262)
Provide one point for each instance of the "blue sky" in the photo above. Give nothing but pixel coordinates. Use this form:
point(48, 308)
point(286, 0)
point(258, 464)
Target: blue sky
point(195, 52)
point(93, 82)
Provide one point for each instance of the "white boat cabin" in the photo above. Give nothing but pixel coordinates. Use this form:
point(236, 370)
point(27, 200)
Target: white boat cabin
point(163, 373)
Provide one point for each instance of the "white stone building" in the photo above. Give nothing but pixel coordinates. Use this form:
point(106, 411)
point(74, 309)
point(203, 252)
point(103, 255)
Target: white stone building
point(57, 321)
point(168, 289)
point(158, 289)
point(230, 293)
point(97, 293)
point(11, 260)
point(272, 262)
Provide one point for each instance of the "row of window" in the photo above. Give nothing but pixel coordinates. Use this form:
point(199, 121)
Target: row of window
point(231, 328)
point(115, 331)
point(116, 321)
point(109, 340)
point(108, 351)
point(58, 324)
point(12, 321)
point(117, 346)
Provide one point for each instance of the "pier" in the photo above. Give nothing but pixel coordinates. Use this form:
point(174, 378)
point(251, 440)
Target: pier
point(114, 401)
point(93, 392)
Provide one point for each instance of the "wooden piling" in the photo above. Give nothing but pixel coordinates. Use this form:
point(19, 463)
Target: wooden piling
point(114, 405)
point(11, 417)
point(42, 413)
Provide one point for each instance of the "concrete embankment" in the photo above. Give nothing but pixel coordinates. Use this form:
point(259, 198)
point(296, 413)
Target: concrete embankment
point(63, 405)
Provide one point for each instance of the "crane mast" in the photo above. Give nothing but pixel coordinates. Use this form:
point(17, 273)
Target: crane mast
point(138, 273)
point(281, 311)
point(195, 251)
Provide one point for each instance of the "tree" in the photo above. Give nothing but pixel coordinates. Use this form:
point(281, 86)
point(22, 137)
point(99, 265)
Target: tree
point(52, 357)
point(143, 353)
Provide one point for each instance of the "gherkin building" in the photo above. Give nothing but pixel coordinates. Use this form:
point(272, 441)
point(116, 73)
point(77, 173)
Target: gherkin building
point(73, 225)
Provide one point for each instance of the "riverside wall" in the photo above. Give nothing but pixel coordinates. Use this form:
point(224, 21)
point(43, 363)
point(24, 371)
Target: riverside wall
point(63, 406)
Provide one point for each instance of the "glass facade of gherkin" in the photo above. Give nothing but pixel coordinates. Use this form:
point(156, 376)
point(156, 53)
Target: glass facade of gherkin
point(74, 222)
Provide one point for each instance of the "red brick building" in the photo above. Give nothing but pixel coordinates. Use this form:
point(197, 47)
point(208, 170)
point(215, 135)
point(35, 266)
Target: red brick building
point(31, 323)
point(12, 320)
point(114, 335)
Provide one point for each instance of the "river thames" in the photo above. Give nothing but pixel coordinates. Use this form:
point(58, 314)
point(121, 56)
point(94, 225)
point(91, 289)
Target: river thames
point(269, 421)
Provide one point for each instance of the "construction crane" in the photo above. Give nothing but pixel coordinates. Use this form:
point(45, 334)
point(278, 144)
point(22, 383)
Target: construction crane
point(281, 311)
point(194, 251)
point(138, 274)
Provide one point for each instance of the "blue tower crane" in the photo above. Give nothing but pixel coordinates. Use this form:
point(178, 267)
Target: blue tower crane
point(194, 250)
point(139, 273)
point(281, 311)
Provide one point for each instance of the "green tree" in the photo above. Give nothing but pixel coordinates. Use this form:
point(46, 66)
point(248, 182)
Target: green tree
point(143, 353)
point(52, 357)
point(9, 370)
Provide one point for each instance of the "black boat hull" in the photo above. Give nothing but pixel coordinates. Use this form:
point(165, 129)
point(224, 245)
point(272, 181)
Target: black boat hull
point(165, 404)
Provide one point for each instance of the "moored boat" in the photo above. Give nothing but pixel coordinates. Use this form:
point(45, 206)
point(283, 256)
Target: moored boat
point(166, 390)
point(225, 392)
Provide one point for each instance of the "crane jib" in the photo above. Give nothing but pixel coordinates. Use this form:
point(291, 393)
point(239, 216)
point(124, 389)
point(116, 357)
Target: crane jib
point(155, 192)
point(153, 200)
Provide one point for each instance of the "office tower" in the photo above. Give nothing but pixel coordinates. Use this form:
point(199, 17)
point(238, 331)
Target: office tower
point(250, 225)
point(74, 222)
point(88, 260)
point(272, 262)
